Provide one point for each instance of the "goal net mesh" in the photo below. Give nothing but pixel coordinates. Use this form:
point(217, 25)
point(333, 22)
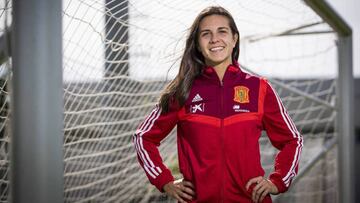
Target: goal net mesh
point(119, 54)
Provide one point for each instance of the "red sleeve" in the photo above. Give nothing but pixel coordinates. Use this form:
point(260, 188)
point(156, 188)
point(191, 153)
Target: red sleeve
point(283, 134)
point(147, 138)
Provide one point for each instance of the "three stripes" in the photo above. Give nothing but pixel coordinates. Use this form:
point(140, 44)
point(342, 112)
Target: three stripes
point(149, 166)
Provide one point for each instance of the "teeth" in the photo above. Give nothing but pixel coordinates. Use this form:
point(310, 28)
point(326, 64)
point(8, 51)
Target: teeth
point(216, 48)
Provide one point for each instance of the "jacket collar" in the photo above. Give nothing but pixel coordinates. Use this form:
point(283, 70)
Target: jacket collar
point(231, 71)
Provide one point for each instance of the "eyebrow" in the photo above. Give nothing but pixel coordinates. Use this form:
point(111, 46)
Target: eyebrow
point(219, 28)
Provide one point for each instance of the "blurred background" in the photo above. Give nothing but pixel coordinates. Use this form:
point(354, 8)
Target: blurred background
point(119, 54)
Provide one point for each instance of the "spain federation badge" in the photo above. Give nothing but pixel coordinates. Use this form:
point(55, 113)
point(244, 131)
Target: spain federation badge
point(241, 94)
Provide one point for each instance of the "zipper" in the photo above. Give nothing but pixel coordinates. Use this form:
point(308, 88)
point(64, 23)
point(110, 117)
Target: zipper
point(222, 139)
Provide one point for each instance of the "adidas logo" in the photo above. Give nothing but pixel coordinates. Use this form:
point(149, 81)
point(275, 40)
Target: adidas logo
point(197, 98)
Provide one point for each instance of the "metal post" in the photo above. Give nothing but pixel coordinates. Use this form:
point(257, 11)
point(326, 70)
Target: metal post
point(346, 121)
point(345, 93)
point(37, 158)
point(117, 32)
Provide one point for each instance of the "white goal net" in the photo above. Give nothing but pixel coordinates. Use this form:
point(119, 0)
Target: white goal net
point(119, 54)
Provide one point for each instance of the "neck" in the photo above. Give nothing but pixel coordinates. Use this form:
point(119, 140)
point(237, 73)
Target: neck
point(220, 69)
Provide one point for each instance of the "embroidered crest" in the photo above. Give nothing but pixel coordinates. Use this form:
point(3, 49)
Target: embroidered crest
point(241, 94)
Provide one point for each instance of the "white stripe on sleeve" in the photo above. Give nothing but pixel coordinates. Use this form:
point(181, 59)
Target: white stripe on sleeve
point(291, 126)
point(149, 166)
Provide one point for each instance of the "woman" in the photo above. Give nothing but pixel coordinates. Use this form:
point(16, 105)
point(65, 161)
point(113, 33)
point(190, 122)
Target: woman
point(220, 112)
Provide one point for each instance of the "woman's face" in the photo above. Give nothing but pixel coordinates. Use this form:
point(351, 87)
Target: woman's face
point(216, 40)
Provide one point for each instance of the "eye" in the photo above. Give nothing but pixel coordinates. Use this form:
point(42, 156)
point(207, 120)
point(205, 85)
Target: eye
point(203, 34)
point(223, 31)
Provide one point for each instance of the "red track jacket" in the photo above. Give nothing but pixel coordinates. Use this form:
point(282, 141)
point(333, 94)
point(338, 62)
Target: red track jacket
point(218, 131)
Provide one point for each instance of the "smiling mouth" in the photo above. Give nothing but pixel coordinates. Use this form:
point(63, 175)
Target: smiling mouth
point(215, 49)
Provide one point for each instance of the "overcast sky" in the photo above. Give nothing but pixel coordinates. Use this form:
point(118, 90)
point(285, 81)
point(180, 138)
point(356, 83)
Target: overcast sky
point(296, 56)
point(154, 37)
point(75, 36)
point(349, 10)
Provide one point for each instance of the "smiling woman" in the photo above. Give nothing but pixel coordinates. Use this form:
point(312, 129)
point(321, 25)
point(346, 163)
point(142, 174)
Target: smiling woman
point(220, 112)
point(216, 42)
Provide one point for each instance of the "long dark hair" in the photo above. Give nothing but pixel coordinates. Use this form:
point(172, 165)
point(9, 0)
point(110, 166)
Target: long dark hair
point(192, 60)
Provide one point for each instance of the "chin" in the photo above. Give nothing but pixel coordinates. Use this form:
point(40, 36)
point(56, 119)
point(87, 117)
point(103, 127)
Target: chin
point(217, 62)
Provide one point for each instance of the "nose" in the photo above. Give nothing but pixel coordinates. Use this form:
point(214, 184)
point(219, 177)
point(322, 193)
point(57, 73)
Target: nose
point(214, 38)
